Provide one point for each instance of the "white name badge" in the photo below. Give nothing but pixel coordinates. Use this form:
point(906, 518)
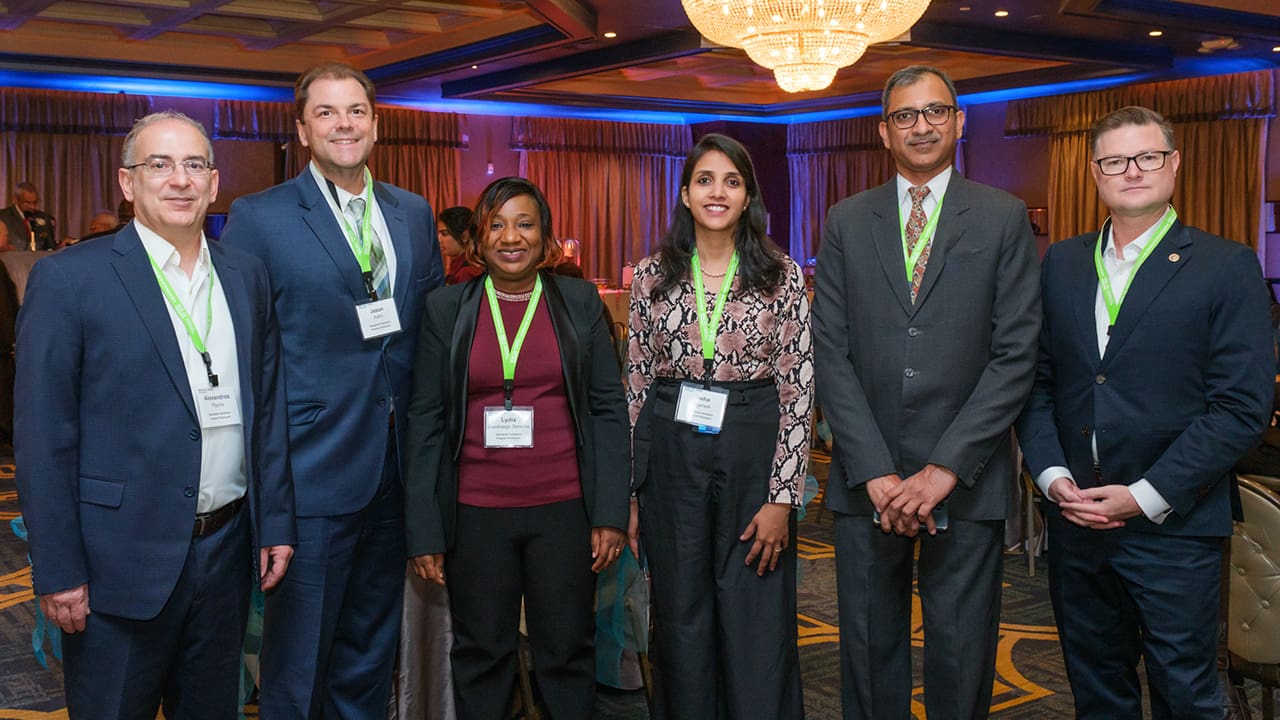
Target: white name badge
point(505, 428)
point(378, 318)
point(702, 408)
point(218, 406)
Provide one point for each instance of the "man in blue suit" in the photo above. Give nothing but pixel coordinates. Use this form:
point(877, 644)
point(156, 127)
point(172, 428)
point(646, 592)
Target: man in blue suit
point(150, 442)
point(350, 260)
point(1154, 377)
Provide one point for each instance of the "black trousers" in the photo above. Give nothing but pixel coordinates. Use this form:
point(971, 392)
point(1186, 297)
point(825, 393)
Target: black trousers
point(542, 554)
point(1120, 595)
point(724, 638)
point(959, 582)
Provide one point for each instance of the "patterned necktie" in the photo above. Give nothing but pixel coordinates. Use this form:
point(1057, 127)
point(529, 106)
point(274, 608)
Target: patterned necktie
point(377, 260)
point(915, 225)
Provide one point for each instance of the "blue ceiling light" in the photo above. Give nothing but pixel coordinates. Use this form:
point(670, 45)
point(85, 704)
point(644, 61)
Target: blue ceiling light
point(143, 86)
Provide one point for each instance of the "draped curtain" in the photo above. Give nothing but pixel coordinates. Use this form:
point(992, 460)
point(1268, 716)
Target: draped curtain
point(829, 161)
point(611, 186)
point(417, 150)
point(68, 145)
point(1220, 125)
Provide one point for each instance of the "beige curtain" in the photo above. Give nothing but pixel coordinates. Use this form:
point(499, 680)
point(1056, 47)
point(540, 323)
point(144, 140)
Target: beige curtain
point(611, 186)
point(68, 144)
point(416, 150)
point(829, 161)
point(1220, 128)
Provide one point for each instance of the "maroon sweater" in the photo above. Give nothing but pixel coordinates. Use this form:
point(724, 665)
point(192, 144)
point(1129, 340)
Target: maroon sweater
point(518, 477)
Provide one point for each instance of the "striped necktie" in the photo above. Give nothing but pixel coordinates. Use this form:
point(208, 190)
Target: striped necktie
point(377, 259)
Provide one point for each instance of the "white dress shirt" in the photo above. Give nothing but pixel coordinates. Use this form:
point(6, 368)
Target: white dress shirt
point(222, 468)
point(377, 222)
point(1118, 266)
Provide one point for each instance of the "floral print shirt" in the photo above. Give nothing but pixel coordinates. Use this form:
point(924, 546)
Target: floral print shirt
point(760, 337)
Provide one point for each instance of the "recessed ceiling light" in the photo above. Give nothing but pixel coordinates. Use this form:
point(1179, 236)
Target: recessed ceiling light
point(611, 35)
point(964, 8)
point(475, 67)
point(1002, 13)
point(1276, 49)
point(1156, 33)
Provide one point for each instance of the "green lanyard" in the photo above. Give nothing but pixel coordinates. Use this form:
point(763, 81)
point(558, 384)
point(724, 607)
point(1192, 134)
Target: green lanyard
point(911, 257)
point(709, 326)
point(511, 353)
point(360, 239)
point(178, 308)
point(1104, 281)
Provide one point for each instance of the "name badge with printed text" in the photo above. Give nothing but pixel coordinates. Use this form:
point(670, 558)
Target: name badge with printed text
point(505, 428)
point(378, 318)
point(218, 406)
point(701, 407)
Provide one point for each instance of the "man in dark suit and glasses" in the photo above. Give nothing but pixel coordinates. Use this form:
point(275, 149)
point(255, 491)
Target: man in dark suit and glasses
point(926, 314)
point(1154, 377)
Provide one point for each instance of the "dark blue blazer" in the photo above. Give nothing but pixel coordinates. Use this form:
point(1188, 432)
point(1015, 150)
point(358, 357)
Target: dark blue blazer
point(340, 387)
point(106, 435)
point(1185, 386)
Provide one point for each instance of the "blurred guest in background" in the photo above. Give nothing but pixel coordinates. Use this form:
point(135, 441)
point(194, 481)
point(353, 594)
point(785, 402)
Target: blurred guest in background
point(453, 228)
point(720, 372)
point(30, 228)
point(504, 506)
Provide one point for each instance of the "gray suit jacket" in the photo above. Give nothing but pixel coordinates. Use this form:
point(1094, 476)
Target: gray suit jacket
point(940, 381)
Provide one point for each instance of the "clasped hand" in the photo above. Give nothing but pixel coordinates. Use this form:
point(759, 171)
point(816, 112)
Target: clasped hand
point(1098, 508)
point(905, 504)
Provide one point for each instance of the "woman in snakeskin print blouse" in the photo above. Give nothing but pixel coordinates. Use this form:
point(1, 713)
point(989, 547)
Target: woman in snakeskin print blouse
point(720, 386)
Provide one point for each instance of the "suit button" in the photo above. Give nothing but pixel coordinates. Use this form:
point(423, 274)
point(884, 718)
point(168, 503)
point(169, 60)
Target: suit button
point(1100, 379)
point(189, 491)
point(382, 403)
point(1085, 431)
point(194, 434)
point(909, 372)
point(913, 331)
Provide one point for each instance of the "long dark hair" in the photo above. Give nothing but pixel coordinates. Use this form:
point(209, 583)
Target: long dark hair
point(761, 264)
point(491, 201)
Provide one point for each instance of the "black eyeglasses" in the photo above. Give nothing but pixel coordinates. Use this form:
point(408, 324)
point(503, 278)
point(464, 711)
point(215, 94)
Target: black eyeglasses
point(1149, 161)
point(934, 115)
point(164, 167)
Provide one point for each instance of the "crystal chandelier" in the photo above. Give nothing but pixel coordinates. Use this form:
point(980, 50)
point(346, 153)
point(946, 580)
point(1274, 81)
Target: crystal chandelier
point(804, 42)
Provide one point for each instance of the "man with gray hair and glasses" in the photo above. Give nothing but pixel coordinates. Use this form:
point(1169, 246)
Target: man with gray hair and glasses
point(1154, 377)
point(150, 441)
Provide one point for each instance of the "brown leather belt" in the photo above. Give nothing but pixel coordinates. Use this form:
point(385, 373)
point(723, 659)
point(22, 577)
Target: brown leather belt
point(213, 521)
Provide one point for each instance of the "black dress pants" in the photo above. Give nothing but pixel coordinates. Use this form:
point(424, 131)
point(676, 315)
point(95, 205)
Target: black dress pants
point(542, 554)
point(724, 637)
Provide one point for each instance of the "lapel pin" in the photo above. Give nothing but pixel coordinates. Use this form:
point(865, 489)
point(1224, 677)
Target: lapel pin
point(1174, 257)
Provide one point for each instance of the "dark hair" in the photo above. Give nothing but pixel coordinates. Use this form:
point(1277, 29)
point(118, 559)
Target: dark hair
point(498, 193)
point(911, 75)
point(457, 221)
point(329, 71)
point(1131, 115)
point(761, 264)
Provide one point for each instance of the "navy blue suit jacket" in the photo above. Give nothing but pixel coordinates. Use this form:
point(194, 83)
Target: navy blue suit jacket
point(107, 438)
point(340, 387)
point(1185, 386)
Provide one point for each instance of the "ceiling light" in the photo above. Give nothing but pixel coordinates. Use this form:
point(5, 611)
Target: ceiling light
point(964, 8)
point(1276, 49)
point(1002, 13)
point(611, 35)
point(1155, 33)
point(475, 67)
point(804, 43)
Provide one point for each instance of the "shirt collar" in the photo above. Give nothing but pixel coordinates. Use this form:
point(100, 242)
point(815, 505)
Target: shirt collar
point(1134, 247)
point(937, 186)
point(344, 197)
point(164, 253)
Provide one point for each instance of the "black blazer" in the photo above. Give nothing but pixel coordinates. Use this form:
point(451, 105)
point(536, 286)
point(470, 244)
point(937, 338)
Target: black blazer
point(438, 407)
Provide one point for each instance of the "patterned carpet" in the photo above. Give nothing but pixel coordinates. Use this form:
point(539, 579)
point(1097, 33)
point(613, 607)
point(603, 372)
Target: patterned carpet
point(1029, 683)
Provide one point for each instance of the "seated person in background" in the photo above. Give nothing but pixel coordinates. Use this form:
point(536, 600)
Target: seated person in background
point(104, 222)
point(30, 228)
point(5, 245)
point(454, 236)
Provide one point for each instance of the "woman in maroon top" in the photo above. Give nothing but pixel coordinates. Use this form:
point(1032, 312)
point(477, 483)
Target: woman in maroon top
point(518, 477)
point(453, 230)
